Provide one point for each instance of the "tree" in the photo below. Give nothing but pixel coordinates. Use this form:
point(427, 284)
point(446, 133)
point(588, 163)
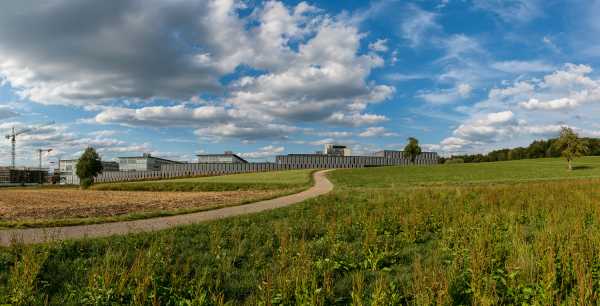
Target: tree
point(412, 149)
point(88, 167)
point(570, 145)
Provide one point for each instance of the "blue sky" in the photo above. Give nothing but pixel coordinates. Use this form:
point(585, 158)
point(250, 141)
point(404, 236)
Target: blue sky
point(175, 78)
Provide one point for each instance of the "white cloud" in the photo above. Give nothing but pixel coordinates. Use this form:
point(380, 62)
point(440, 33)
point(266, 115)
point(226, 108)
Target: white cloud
point(550, 105)
point(85, 53)
point(246, 132)
point(264, 152)
point(355, 119)
point(417, 24)
point(399, 77)
point(379, 45)
point(512, 10)
point(178, 115)
point(311, 64)
point(515, 66)
point(527, 109)
point(446, 96)
point(376, 131)
point(65, 144)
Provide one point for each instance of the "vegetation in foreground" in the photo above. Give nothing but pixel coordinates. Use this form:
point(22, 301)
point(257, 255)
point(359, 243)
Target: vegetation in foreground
point(245, 181)
point(385, 236)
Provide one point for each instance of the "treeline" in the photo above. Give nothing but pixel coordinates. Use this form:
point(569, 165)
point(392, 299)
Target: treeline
point(537, 149)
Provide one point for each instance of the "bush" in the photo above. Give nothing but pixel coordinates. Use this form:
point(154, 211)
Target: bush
point(86, 183)
point(454, 161)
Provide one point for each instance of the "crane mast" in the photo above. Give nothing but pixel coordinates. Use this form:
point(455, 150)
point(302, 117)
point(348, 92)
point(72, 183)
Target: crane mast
point(13, 140)
point(40, 151)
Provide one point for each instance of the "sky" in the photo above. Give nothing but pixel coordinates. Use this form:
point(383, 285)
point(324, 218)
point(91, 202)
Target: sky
point(262, 78)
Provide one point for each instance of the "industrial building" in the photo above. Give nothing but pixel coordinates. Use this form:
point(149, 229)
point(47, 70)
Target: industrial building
point(146, 162)
point(400, 154)
point(226, 158)
point(335, 156)
point(12, 176)
point(391, 158)
point(68, 167)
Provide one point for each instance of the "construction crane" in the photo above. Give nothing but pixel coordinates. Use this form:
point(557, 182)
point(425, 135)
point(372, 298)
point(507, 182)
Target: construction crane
point(13, 138)
point(40, 151)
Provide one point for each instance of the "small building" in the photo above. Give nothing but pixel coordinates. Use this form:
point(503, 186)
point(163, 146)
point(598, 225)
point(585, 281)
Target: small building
point(226, 158)
point(337, 150)
point(146, 162)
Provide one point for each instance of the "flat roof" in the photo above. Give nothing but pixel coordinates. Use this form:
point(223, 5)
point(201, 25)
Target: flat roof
point(148, 157)
point(222, 155)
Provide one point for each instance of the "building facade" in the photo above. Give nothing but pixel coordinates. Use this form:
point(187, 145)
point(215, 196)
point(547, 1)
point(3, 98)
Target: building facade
point(400, 154)
point(389, 158)
point(68, 170)
point(145, 162)
point(10, 175)
point(226, 158)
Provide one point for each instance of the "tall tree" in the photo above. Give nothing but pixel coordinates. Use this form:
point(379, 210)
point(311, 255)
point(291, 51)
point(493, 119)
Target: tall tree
point(570, 145)
point(412, 149)
point(88, 167)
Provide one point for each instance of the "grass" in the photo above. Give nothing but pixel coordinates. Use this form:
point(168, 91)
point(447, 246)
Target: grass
point(458, 235)
point(474, 173)
point(246, 181)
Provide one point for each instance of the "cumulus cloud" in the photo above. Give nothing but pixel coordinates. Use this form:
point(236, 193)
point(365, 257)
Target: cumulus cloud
point(246, 132)
point(88, 51)
point(527, 109)
point(178, 115)
point(379, 45)
point(284, 65)
point(355, 119)
point(376, 131)
point(264, 152)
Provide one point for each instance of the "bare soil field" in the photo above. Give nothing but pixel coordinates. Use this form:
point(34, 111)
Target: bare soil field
point(51, 204)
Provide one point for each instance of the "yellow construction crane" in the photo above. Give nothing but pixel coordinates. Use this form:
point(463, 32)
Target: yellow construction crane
point(13, 138)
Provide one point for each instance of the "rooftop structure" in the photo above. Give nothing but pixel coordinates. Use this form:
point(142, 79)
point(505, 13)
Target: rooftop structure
point(146, 162)
point(226, 158)
point(337, 150)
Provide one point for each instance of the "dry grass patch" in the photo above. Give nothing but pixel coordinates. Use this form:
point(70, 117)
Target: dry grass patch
point(39, 206)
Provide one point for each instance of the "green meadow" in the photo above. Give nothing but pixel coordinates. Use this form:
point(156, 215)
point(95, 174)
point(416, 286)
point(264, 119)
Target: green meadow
point(521, 232)
point(245, 181)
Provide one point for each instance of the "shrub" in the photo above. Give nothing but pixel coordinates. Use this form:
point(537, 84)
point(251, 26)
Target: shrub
point(86, 183)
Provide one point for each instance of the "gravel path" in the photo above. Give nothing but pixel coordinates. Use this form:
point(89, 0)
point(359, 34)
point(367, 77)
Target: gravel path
point(41, 235)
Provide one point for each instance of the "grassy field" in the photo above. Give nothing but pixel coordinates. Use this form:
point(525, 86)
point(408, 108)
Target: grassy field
point(524, 232)
point(246, 181)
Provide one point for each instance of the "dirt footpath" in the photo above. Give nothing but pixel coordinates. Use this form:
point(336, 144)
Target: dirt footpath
point(23, 204)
